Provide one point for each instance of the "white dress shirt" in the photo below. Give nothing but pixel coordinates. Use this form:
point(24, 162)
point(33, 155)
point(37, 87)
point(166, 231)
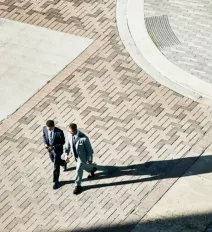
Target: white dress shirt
point(51, 139)
point(75, 136)
point(49, 135)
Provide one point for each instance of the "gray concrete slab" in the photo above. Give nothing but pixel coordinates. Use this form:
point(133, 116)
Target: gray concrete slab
point(30, 57)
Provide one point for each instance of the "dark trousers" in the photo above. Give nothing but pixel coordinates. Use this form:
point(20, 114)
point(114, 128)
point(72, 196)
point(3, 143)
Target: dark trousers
point(56, 159)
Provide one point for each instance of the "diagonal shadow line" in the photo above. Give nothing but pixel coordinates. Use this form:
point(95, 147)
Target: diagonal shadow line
point(121, 183)
point(65, 182)
point(193, 223)
point(70, 169)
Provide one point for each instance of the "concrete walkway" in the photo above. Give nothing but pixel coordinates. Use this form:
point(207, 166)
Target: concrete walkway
point(139, 128)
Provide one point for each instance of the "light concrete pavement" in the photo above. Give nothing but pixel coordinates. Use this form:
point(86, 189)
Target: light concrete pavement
point(30, 57)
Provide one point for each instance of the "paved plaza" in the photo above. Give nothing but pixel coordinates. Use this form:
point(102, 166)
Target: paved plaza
point(154, 144)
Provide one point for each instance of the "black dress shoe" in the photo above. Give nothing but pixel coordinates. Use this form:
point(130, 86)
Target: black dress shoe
point(91, 175)
point(56, 185)
point(65, 167)
point(77, 190)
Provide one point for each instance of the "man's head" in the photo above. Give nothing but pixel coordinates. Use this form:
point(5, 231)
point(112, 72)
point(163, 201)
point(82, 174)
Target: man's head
point(50, 125)
point(72, 128)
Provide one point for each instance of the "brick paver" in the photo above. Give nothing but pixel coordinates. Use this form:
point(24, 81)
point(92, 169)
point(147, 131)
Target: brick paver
point(129, 117)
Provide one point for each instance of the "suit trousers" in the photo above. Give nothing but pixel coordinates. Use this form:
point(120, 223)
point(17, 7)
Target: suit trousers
point(82, 165)
point(56, 159)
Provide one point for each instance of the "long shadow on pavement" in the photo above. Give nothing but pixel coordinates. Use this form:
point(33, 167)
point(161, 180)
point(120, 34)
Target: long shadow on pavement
point(153, 170)
point(185, 223)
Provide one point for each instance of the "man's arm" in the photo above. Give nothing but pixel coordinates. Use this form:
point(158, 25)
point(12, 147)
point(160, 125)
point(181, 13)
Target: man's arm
point(89, 149)
point(67, 146)
point(45, 140)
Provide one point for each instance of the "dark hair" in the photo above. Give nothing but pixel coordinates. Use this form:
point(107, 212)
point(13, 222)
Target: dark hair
point(73, 126)
point(50, 123)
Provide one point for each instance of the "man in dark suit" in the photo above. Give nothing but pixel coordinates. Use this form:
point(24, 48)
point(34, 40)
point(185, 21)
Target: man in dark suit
point(54, 140)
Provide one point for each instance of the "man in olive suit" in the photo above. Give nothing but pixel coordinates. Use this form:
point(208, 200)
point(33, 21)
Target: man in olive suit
point(79, 145)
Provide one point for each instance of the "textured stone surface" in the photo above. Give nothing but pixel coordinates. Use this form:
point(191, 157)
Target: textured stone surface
point(161, 32)
point(130, 119)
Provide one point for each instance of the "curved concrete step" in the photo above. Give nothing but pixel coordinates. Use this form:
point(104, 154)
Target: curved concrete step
point(134, 35)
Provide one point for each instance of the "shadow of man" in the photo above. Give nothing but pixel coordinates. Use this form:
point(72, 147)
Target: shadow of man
point(152, 170)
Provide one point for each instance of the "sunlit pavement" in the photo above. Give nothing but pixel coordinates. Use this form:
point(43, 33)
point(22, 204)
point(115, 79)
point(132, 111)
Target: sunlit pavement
point(151, 134)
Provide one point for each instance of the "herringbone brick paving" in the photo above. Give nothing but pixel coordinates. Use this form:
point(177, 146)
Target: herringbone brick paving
point(130, 119)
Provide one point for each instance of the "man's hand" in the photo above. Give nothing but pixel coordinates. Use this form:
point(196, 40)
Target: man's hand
point(51, 148)
point(67, 160)
point(90, 162)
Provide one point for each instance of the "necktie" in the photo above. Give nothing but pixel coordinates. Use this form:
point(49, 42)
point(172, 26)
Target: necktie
point(51, 138)
point(74, 147)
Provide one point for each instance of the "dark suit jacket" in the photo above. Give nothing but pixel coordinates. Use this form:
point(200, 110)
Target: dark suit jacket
point(59, 140)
